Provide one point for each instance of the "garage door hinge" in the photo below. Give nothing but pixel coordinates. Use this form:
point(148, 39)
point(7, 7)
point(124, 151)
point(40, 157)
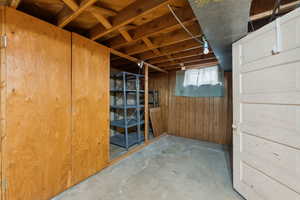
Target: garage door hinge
point(3, 41)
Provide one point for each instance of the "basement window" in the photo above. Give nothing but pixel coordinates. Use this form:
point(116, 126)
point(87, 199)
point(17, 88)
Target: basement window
point(200, 77)
point(204, 82)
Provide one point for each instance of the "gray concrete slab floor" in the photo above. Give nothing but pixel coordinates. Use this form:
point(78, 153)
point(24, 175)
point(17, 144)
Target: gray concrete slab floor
point(171, 168)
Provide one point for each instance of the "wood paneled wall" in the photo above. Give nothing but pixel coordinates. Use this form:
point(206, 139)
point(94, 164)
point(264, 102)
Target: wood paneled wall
point(207, 119)
point(90, 107)
point(54, 108)
point(160, 82)
point(36, 102)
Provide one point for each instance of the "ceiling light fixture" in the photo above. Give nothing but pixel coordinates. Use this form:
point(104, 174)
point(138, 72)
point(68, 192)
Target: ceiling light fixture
point(182, 66)
point(141, 64)
point(205, 46)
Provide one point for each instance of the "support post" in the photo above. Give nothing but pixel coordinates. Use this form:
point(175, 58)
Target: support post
point(138, 108)
point(125, 109)
point(146, 103)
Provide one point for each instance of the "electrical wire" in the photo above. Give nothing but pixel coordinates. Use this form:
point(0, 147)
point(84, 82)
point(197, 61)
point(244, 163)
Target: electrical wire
point(252, 26)
point(183, 26)
point(276, 7)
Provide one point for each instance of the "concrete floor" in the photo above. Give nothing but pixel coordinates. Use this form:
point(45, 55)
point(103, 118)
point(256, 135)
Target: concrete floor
point(116, 151)
point(172, 168)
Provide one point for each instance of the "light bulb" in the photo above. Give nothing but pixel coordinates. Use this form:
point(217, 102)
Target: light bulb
point(182, 66)
point(205, 47)
point(206, 51)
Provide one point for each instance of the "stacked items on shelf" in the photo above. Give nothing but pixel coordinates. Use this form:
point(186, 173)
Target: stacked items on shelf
point(127, 121)
point(128, 116)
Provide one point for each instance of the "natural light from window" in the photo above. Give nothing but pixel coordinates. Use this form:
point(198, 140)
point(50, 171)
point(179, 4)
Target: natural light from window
point(203, 76)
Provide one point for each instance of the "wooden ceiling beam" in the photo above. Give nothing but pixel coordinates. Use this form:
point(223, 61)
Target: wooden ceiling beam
point(67, 15)
point(171, 59)
point(101, 19)
point(125, 34)
point(96, 11)
point(150, 45)
point(14, 3)
point(102, 11)
point(133, 59)
point(154, 27)
point(171, 49)
point(183, 54)
point(187, 60)
point(163, 40)
point(196, 64)
point(166, 58)
point(71, 4)
point(126, 16)
point(268, 13)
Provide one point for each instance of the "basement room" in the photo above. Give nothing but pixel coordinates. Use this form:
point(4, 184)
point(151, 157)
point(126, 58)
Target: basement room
point(150, 99)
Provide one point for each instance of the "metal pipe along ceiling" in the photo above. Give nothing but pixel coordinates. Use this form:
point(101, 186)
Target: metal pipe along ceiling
point(223, 22)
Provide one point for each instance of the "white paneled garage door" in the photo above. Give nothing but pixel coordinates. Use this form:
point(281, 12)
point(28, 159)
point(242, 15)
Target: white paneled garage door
point(266, 76)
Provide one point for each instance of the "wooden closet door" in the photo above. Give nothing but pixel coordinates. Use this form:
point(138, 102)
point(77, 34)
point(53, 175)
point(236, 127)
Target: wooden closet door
point(90, 107)
point(37, 98)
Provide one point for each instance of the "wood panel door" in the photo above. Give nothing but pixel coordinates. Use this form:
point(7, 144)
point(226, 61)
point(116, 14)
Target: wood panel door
point(90, 107)
point(36, 108)
point(267, 112)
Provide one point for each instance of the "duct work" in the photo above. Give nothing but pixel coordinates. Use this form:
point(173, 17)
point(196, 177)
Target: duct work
point(223, 22)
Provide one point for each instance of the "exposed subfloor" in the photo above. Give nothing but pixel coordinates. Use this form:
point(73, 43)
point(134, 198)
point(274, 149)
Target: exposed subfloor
point(171, 168)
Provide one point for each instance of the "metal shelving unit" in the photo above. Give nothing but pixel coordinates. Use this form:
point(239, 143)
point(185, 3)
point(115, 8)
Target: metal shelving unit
point(127, 139)
point(130, 137)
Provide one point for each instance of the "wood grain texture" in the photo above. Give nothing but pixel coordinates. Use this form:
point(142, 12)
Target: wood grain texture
point(15, 3)
point(66, 17)
point(171, 49)
point(36, 148)
point(207, 119)
point(164, 39)
point(126, 16)
point(90, 107)
point(164, 23)
point(156, 121)
point(160, 82)
point(2, 94)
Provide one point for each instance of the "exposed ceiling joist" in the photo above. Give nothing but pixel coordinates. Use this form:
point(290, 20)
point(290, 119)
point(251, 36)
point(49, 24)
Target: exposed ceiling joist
point(126, 16)
point(67, 15)
point(163, 40)
point(15, 3)
point(156, 26)
point(186, 60)
point(150, 45)
point(183, 54)
point(125, 34)
point(115, 52)
point(268, 13)
point(71, 4)
point(101, 19)
point(175, 48)
point(171, 60)
point(167, 58)
point(97, 12)
point(196, 64)
point(102, 11)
